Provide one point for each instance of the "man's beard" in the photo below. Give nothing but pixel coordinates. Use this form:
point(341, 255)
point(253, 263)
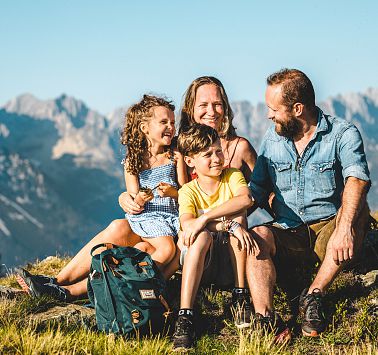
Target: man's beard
point(290, 128)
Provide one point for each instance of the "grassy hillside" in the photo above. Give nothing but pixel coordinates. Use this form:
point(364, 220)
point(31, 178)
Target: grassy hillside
point(352, 310)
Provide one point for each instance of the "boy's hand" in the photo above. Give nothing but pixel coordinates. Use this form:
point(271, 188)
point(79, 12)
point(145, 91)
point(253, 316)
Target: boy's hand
point(127, 203)
point(167, 190)
point(247, 241)
point(192, 228)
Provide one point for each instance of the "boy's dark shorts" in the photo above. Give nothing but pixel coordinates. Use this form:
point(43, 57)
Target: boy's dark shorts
point(307, 244)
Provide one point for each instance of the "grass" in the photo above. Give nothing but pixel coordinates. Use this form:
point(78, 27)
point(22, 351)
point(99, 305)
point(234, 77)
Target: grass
point(351, 308)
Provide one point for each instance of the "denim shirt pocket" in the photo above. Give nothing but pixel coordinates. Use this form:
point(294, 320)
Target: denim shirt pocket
point(323, 176)
point(282, 175)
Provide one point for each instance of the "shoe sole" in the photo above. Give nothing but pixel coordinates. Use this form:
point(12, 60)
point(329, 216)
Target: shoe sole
point(283, 337)
point(312, 334)
point(25, 287)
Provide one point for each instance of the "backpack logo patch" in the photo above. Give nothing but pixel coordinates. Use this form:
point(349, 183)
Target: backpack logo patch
point(147, 294)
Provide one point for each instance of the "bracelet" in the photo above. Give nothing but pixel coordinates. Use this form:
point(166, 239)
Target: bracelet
point(233, 227)
point(225, 226)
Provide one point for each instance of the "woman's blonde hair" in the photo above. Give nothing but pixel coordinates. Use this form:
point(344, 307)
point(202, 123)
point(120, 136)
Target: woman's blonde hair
point(227, 130)
point(132, 136)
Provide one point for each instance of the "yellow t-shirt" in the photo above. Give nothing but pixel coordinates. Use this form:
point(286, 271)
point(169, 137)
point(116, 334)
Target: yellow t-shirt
point(193, 200)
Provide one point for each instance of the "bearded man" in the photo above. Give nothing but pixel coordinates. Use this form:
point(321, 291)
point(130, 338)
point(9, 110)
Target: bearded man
point(315, 166)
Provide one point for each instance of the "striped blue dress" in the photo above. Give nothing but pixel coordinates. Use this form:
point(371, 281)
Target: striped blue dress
point(160, 215)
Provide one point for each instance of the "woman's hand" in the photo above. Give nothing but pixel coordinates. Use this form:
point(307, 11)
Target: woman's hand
point(167, 190)
point(246, 241)
point(126, 202)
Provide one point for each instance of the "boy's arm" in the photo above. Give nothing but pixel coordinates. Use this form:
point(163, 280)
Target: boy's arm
point(246, 240)
point(185, 221)
point(239, 203)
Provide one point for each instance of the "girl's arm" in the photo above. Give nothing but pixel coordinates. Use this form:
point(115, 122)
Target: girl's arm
point(131, 181)
point(167, 190)
point(126, 199)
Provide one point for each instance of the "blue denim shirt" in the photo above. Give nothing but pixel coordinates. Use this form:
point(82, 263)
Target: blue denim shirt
point(308, 188)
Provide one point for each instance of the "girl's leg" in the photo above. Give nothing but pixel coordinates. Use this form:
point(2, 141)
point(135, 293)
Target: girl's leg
point(77, 290)
point(118, 232)
point(146, 247)
point(174, 264)
point(162, 251)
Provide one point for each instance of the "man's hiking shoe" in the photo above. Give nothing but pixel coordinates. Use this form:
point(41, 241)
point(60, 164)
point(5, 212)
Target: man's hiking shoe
point(29, 283)
point(311, 310)
point(241, 307)
point(273, 323)
point(183, 336)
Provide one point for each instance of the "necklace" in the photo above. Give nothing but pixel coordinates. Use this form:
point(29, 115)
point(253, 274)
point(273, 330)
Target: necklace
point(156, 158)
point(301, 152)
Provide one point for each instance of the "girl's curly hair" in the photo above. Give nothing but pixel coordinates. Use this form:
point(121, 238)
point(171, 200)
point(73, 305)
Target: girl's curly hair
point(132, 136)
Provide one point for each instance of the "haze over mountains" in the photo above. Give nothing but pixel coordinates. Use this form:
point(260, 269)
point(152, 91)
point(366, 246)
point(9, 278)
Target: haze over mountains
point(60, 171)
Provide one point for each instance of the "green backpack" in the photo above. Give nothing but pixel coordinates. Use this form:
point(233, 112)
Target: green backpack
point(127, 291)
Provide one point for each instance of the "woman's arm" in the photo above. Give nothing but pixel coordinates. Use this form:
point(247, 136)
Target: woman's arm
point(182, 176)
point(248, 156)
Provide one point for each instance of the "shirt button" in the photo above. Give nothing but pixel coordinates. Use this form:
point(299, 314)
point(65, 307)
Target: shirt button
point(300, 212)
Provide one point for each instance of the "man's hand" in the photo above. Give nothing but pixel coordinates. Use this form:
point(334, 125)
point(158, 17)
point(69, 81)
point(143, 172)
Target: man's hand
point(342, 245)
point(127, 203)
point(246, 241)
point(192, 228)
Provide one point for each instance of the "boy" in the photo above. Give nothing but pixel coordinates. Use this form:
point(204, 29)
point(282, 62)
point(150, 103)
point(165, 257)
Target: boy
point(204, 205)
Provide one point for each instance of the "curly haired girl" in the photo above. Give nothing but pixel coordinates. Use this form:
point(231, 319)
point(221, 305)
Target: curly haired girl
point(153, 173)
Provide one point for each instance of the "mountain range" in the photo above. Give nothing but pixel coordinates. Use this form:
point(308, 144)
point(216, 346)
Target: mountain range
point(61, 172)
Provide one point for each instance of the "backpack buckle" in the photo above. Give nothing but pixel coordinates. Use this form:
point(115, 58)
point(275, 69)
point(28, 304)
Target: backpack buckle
point(135, 316)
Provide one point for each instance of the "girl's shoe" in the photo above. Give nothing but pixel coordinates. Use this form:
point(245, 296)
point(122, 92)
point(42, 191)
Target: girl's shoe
point(32, 286)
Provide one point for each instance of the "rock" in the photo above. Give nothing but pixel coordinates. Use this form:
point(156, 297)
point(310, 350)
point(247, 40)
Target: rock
point(370, 278)
point(10, 292)
point(70, 313)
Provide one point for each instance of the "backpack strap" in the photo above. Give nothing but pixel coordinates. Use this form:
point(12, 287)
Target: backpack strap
point(107, 294)
point(103, 245)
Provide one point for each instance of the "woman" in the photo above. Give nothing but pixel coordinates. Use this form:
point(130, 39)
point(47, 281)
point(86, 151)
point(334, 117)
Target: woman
point(206, 102)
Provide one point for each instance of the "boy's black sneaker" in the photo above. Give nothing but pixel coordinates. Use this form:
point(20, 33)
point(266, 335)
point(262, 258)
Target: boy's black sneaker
point(183, 336)
point(241, 307)
point(273, 323)
point(29, 283)
point(311, 310)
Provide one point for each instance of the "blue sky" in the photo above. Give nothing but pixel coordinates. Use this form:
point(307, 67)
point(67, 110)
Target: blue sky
point(108, 53)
